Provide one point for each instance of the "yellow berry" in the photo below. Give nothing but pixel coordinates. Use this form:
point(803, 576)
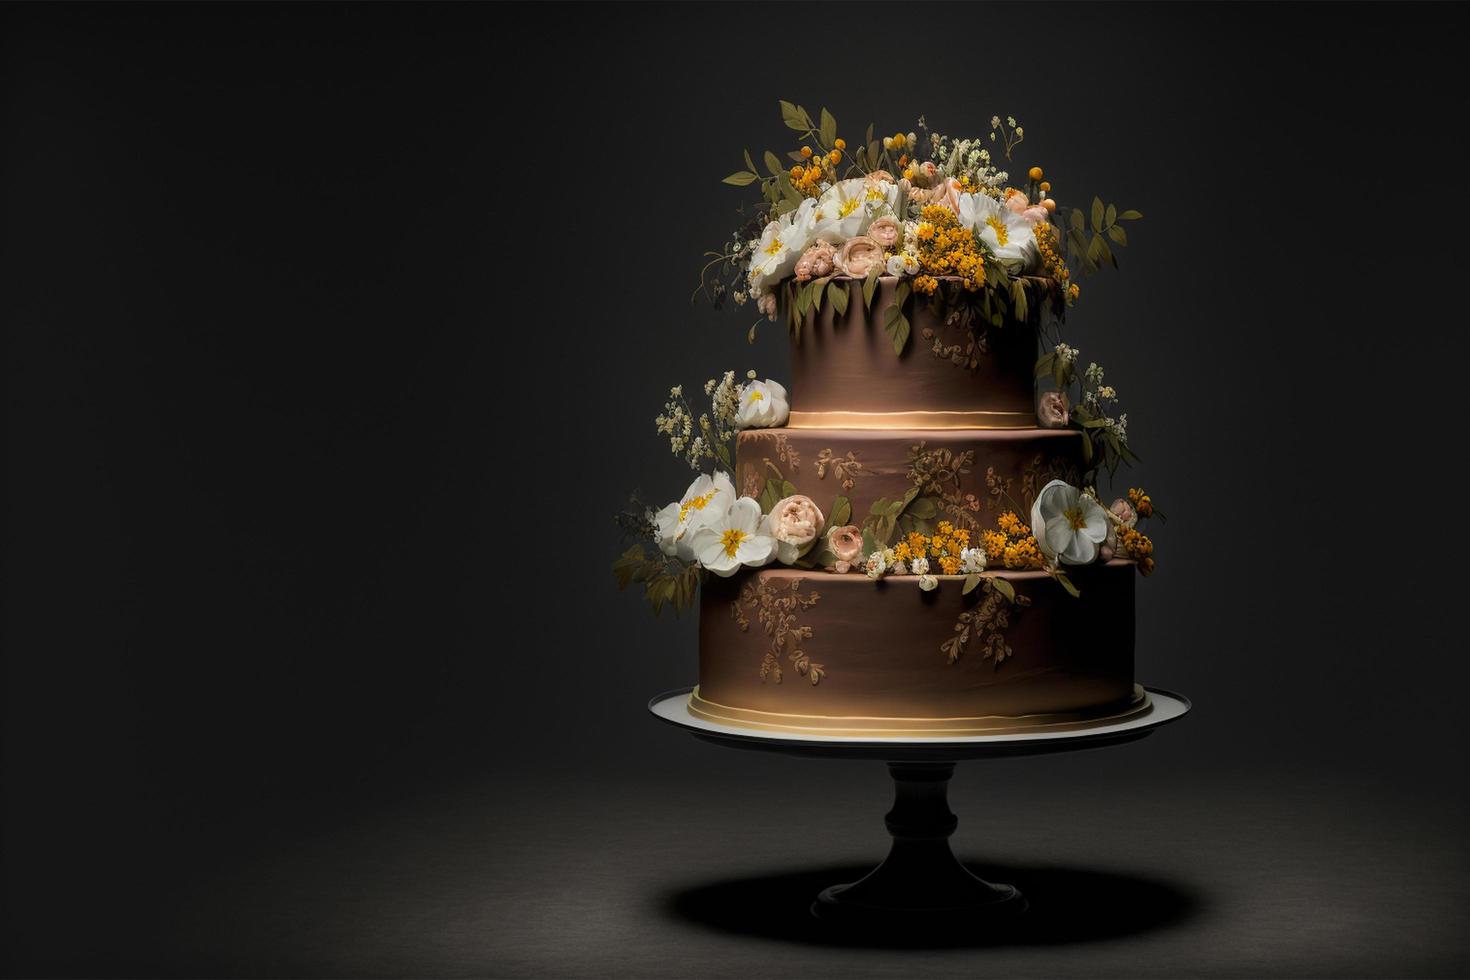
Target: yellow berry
point(840, 143)
point(806, 151)
point(1035, 173)
point(835, 156)
point(1045, 186)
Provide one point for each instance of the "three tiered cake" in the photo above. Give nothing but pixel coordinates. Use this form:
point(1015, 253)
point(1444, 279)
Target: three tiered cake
point(910, 542)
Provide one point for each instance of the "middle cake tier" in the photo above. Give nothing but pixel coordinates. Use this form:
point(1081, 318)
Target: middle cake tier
point(973, 475)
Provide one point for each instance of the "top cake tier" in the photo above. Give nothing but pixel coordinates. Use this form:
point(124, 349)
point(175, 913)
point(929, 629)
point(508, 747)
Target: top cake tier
point(845, 375)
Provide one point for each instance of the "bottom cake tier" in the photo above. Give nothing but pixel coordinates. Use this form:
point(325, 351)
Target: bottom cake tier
point(782, 649)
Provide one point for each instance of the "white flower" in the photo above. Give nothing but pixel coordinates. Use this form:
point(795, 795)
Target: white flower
point(928, 583)
point(972, 560)
point(774, 256)
point(877, 564)
point(920, 565)
point(841, 213)
point(1007, 233)
point(1068, 524)
point(733, 539)
point(902, 264)
point(707, 497)
point(762, 405)
point(898, 568)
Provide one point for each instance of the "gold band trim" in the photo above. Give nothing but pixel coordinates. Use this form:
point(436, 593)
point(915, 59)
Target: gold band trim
point(911, 420)
point(878, 727)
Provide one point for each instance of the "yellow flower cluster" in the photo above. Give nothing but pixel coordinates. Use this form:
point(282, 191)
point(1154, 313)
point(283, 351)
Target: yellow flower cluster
point(808, 180)
point(1052, 263)
point(1011, 545)
point(944, 545)
point(1136, 545)
point(946, 249)
point(1143, 506)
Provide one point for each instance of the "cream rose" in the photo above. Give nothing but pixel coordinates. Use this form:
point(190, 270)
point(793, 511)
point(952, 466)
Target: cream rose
point(885, 231)
point(846, 543)
point(858, 256)
point(794, 523)
point(815, 262)
point(1124, 512)
point(1053, 411)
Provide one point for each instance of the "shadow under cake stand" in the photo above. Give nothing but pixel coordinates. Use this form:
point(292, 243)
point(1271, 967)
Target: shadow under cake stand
point(921, 880)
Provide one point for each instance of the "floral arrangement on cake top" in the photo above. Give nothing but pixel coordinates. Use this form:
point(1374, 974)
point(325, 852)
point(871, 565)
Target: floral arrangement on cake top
point(943, 214)
point(941, 221)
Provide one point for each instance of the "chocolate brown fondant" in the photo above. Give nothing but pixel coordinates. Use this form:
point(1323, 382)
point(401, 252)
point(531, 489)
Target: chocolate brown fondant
point(887, 656)
point(844, 372)
point(1005, 468)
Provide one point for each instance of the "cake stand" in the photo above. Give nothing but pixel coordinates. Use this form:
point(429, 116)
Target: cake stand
point(921, 881)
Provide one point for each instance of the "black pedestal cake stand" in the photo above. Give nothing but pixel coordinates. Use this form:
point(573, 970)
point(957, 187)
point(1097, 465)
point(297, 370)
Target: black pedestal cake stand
point(921, 880)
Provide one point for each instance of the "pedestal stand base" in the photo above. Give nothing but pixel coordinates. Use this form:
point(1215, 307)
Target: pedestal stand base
point(921, 881)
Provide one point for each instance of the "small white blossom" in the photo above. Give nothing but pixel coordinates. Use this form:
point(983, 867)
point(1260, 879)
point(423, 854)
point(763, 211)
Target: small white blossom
point(972, 560)
point(928, 583)
point(920, 565)
point(877, 565)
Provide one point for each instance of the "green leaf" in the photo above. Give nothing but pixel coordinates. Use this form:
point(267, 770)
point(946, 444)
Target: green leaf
point(740, 178)
point(788, 489)
point(773, 164)
point(815, 287)
point(1086, 450)
point(1097, 214)
point(629, 565)
point(749, 163)
point(1044, 364)
point(1129, 215)
point(837, 295)
point(1004, 588)
point(869, 544)
point(870, 285)
point(750, 337)
point(1110, 217)
point(1061, 577)
point(841, 513)
point(971, 580)
point(1077, 221)
point(897, 327)
point(794, 117)
point(1117, 234)
point(828, 133)
point(879, 506)
point(771, 495)
point(923, 509)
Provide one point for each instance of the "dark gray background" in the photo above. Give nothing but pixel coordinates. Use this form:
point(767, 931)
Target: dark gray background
point(334, 336)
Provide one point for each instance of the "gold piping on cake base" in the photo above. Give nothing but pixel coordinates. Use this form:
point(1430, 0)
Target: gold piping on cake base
point(911, 420)
point(876, 727)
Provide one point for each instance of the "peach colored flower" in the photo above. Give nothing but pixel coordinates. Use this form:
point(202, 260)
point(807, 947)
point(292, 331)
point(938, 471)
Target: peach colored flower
point(880, 177)
point(858, 256)
point(1124, 512)
point(884, 231)
point(1053, 411)
point(815, 262)
point(1020, 204)
point(847, 544)
point(926, 173)
point(767, 304)
point(947, 193)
